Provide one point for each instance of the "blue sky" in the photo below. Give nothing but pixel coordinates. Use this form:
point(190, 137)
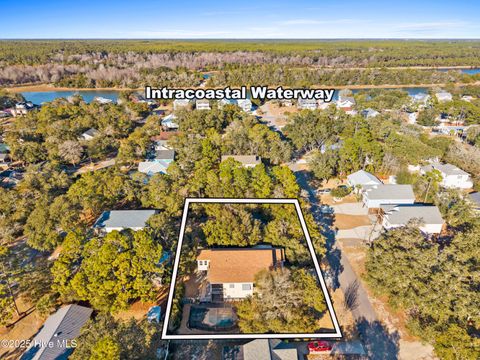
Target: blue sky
point(261, 19)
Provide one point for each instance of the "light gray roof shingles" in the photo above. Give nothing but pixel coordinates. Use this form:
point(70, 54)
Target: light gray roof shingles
point(401, 215)
point(244, 159)
point(363, 177)
point(64, 325)
point(124, 218)
point(391, 191)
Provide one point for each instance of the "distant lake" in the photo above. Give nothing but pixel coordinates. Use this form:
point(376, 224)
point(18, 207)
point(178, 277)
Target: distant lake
point(39, 97)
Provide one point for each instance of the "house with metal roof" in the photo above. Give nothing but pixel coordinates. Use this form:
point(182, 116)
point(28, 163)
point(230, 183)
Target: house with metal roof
point(89, 134)
point(384, 194)
point(452, 176)
point(248, 161)
point(123, 219)
point(362, 178)
point(151, 168)
point(168, 122)
point(430, 218)
point(54, 340)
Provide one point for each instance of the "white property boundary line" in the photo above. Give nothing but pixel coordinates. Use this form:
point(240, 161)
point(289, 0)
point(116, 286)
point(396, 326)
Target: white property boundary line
point(188, 201)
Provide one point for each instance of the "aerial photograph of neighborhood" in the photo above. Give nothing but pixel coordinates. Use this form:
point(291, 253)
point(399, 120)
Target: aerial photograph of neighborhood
point(270, 180)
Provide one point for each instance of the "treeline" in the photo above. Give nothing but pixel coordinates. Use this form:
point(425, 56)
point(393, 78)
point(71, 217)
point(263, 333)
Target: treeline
point(293, 52)
point(134, 63)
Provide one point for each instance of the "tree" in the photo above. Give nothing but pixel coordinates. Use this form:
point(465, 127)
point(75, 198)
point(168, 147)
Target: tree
point(71, 151)
point(117, 269)
point(280, 304)
point(324, 166)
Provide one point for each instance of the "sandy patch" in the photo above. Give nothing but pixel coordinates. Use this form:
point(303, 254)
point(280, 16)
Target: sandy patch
point(343, 221)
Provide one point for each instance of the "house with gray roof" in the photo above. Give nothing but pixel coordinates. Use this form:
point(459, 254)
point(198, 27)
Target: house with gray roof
point(169, 123)
point(362, 178)
point(430, 218)
point(262, 349)
point(202, 104)
point(452, 176)
point(89, 134)
point(54, 340)
point(474, 198)
point(307, 104)
point(123, 219)
point(151, 168)
point(246, 160)
point(384, 194)
point(369, 113)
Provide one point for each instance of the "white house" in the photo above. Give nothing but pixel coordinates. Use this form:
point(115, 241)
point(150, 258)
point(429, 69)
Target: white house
point(362, 178)
point(152, 167)
point(202, 104)
point(230, 273)
point(308, 104)
point(346, 103)
point(384, 194)
point(22, 108)
point(248, 161)
point(168, 122)
point(369, 113)
point(430, 218)
point(443, 96)
point(245, 104)
point(102, 100)
point(89, 134)
point(180, 103)
point(123, 219)
point(452, 176)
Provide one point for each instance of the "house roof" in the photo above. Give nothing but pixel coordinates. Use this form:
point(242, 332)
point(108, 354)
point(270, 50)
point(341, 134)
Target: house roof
point(239, 264)
point(390, 191)
point(402, 214)
point(91, 132)
point(244, 159)
point(447, 169)
point(269, 349)
point(258, 349)
point(65, 324)
point(164, 154)
point(202, 101)
point(152, 167)
point(124, 218)
point(363, 177)
point(475, 198)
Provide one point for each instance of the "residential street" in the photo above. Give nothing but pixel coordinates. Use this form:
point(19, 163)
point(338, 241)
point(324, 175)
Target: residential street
point(378, 342)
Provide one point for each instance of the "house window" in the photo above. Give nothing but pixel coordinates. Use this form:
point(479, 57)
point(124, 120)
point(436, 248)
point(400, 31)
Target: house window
point(231, 286)
point(246, 287)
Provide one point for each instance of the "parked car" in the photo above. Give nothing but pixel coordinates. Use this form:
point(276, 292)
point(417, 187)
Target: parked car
point(320, 346)
point(323, 191)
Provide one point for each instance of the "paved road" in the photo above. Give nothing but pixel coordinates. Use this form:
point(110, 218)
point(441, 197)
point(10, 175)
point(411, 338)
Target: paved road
point(378, 342)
